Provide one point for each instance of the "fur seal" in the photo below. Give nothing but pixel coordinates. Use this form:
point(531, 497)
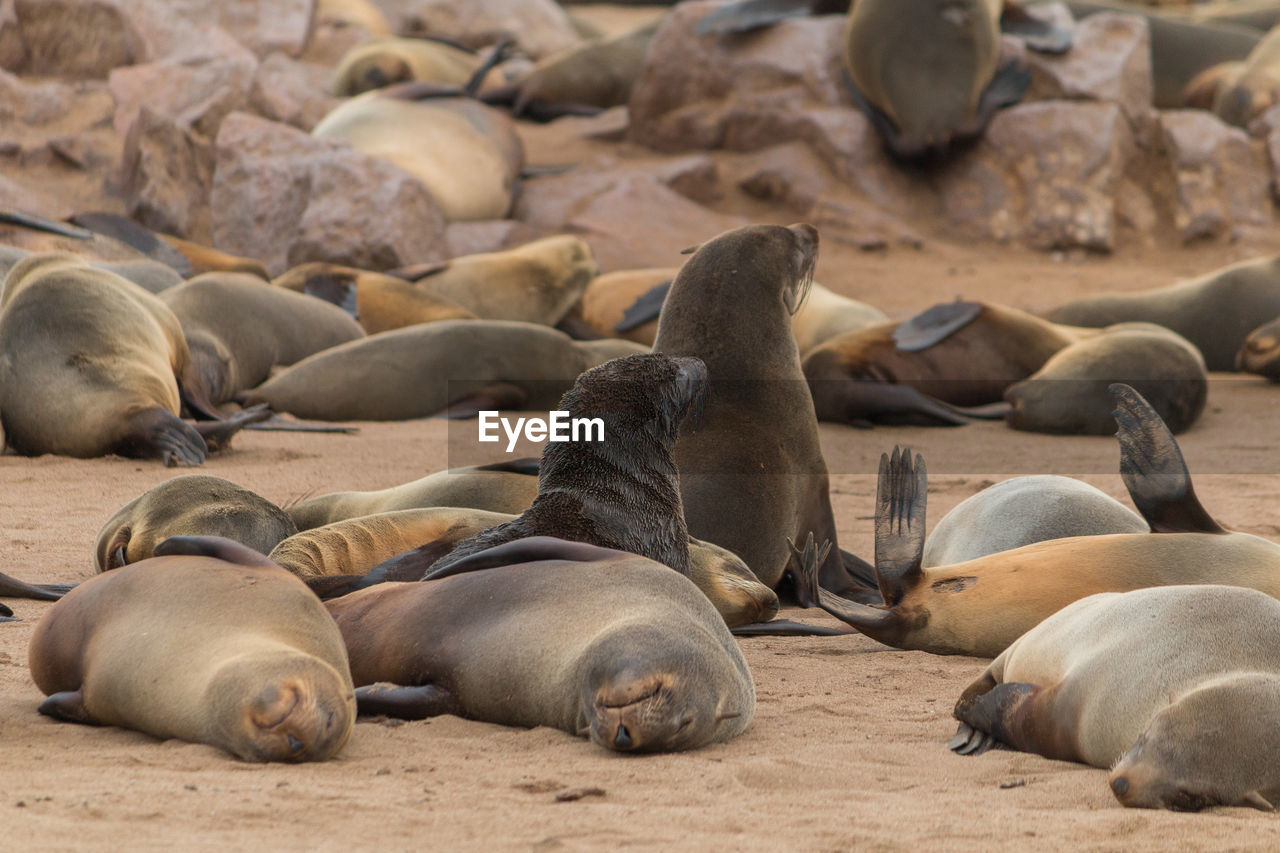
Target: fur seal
point(1239, 91)
point(187, 258)
point(506, 487)
point(422, 370)
point(1260, 352)
point(593, 642)
point(189, 505)
point(1215, 312)
point(238, 328)
point(151, 276)
point(231, 652)
point(1024, 510)
point(980, 606)
point(1069, 393)
point(538, 282)
point(379, 302)
point(467, 154)
point(743, 489)
point(389, 59)
point(92, 364)
point(1173, 689)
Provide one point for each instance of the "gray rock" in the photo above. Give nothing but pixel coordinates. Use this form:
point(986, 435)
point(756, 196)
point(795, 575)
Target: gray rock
point(1109, 60)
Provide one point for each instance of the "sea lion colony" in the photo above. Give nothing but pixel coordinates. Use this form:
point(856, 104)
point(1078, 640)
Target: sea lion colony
point(594, 590)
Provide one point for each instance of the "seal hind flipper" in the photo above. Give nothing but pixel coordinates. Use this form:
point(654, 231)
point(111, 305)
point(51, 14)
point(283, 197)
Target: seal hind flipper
point(135, 236)
point(901, 497)
point(859, 569)
point(1038, 34)
point(67, 706)
point(276, 423)
point(217, 435)
point(217, 547)
point(875, 622)
point(41, 223)
point(405, 703)
point(934, 325)
point(157, 433)
point(6, 614)
point(747, 15)
point(786, 628)
point(648, 306)
point(527, 465)
point(808, 562)
point(1153, 469)
point(336, 289)
point(11, 587)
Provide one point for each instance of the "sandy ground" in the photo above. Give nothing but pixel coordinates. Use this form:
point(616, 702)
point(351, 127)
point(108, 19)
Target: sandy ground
point(847, 749)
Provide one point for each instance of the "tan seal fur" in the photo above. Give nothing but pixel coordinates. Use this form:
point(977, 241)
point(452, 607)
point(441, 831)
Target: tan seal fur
point(1260, 352)
point(1215, 312)
point(590, 641)
point(1174, 689)
point(382, 302)
point(1069, 393)
point(468, 155)
point(422, 370)
point(91, 365)
point(1247, 89)
point(980, 606)
point(189, 505)
point(496, 488)
point(239, 655)
point(391, 59)
point(238, 328)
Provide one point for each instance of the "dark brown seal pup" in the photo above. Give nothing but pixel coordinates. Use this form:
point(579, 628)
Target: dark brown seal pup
point(190, 505)
point(1068, 395)
point(593, 642)
point(1174, 689)
point(93, 364)
point(981, 606)
point(238, 328)
point(1216, 312)
point(235, 653)
point(744, 488)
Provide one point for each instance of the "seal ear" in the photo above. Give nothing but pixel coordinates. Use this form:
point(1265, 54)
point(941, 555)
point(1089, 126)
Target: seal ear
point(213, 546)
point(1253, 798)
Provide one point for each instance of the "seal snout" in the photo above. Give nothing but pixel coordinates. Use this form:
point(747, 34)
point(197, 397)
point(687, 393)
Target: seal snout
point(1120, 786)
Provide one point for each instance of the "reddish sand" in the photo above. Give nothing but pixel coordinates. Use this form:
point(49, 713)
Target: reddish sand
point(848, 745)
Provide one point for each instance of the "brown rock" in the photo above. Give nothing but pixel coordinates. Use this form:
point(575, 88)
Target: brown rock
point(492, 235)
point(292, 92)
point(263, 26)
point(1221, 177)
point(197, 91)
point(286, 198)
point(1044, 173)
point(1109, 60)
point(75, 38)
point(742, 93)
point(539, 27)
point(167, 175)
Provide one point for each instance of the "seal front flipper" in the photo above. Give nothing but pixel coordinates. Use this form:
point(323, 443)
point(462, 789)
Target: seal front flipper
point(1005, 714)
point(901, 496)
point(934, 325)
point(495, 396)
point(6, 615)
point(1153, 469)
point(529, 550)
point(648, 306)
point(40, 223)
point(970, 741)
point(747, 15)
point(405, 703)
point(528, 465)
point(67, 706)
point(217, 434)
point(157, 433)
point(338, 289)
point(1038, 34)
point(212, 546)
point(135, 236)
point(786, 628)
point(11, 587)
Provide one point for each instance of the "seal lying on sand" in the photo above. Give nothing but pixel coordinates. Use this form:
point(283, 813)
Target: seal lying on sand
point(981, 606)
point(590, 641)
point(1175, 689)
point(235, 652)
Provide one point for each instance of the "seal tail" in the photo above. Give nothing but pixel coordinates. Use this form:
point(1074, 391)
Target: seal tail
point(875, 622)
point(1153, 469)
point(901, 495)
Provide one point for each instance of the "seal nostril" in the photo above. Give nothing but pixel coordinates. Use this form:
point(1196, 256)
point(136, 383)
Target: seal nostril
point(1120, 785)
point(622, 738)
point(295, 745)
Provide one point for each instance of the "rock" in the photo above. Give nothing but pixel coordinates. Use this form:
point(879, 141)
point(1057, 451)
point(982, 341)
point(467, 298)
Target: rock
point(1044, 173)
point(197, 91)
point(639, 222)
point(1109, 60)
point(167, 175)
point(73, 38)
point(340, 25)
point(286, 198)
point(1221, 177)
point(263, 26)
point(539, 27)
point(492, 235)
point(292, 92)
point(744, 93)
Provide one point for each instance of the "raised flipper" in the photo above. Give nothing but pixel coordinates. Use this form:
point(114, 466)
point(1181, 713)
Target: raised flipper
point(859, 569)
point(335, 288)
point(67, 706)
point(217, 547)
point(747, 15)
point(37, 222)
point(217, 434)
point(1153, 469)
point(646, 307)
point(405, 703)
point(1038, 34)
point(934, 325)
point(493, 397)
point(11, 587)
point(529, 550)
point(501, 51)
point(136, 236)
point(901, 496)
point(811, 559)
point(528, 465)
point(786, 628)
